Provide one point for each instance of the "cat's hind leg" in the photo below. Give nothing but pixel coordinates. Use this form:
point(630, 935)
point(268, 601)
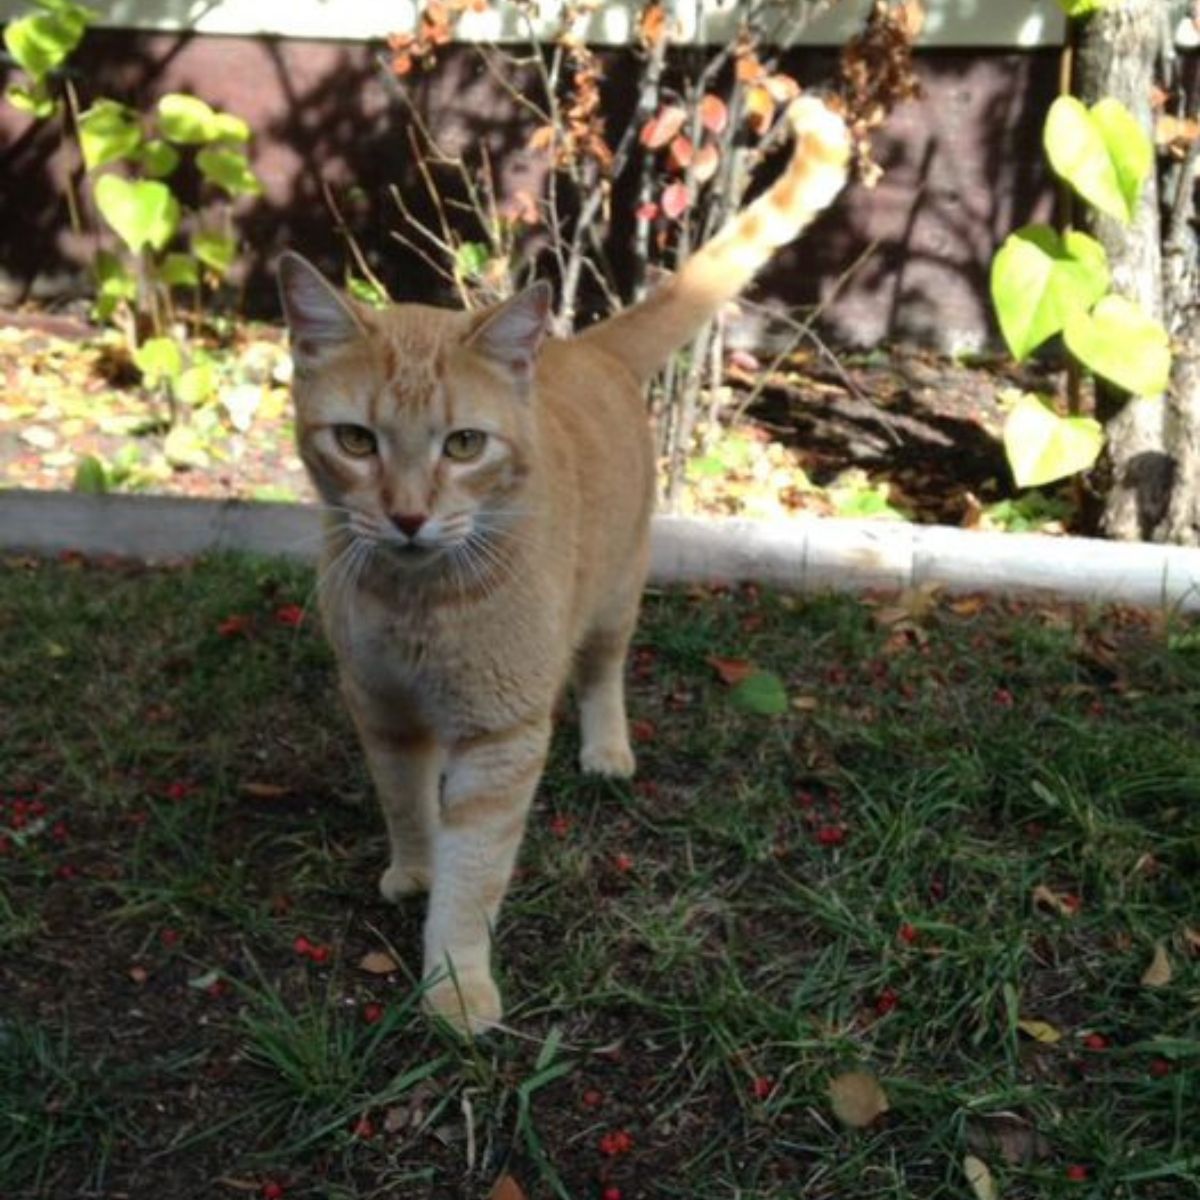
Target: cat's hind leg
point(600, 692)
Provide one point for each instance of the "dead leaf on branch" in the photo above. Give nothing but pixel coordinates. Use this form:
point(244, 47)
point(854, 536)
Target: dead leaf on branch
point(857, 1098)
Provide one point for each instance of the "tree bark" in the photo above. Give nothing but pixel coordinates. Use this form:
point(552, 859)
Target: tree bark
point(1117, 53)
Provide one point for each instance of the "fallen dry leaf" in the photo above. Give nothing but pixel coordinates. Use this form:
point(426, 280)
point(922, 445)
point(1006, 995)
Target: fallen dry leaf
point(805, 703)
point(1008, 1134)
point(1191, 938)
point(506, 1188)
point(378, 962)
point(857, 1098)
point(262, 791)
point(980, 1178)
point(1158, 973)
point(731, 671)
point(1059, 902)
point(1040, 1031)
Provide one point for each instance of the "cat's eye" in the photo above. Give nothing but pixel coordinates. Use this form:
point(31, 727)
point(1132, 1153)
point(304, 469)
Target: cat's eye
point(354, 440)
point(464, 445)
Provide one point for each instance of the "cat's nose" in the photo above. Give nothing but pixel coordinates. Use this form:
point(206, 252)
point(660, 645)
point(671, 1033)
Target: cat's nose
point(409, 523)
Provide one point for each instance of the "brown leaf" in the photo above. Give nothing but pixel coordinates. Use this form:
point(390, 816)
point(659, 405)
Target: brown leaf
point(652, 27)
point(675, 200)
point(714, 116)
point(704, 165)
point(857, 1098)
point(1008, 1134)
point(506, 1188)
point(681, 152)
point(1040, 1031)
point(805, 703)
point(378, 962)
point(1158, 973)
point(1191, 938)
point(262, 791)
point(760, 108)
point(1062, 903)
point(731, 671)
point(980, 1178)
point(663, 126)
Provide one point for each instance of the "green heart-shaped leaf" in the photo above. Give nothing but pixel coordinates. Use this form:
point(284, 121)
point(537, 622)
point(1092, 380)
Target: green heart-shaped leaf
point(1081, 8)
point(1120, 343)
point(35, 99)
point(1039, 277)
point(158, 158)
point(196, 385)
point(108, 131)
point(1041, 446)
point(158, 358)
point(179, 270)
point(214, 250)
point(186, 119)
point(228, 169)
point(141, 214)
point(41, 41)
point(226, 125)
point(1102, 152)
point(762, 693)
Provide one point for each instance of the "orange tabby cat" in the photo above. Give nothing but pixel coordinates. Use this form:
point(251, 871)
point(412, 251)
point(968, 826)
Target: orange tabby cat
point(489, 495)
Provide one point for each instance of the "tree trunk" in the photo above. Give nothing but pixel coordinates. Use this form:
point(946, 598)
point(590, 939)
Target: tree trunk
point(1117, 53)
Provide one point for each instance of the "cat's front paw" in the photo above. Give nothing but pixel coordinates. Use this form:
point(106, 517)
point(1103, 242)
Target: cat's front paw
point(401, 880)
point(469, 1002)
point(614, 759)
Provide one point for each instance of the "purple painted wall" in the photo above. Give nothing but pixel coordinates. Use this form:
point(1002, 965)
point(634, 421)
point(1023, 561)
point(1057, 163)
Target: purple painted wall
point(963, 168)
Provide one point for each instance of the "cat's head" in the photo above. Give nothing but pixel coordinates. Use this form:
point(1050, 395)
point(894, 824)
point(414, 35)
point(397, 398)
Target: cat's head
point(416, 424)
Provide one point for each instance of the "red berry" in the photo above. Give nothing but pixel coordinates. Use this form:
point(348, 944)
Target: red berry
point(1002, 698)
point(1096, 1041)
point(611, 1193)
point(319, 954)
point(830, 835)
point(762, 1086)
point(1159, 1068)
point(907, 932)
point(592, 1098)
point(616, 1142)
point(302, 946)
point(1077, 1173)
point(886, 1001)
point(372, 1013)
point(289, 614)
point(623, 862)
point(364, 1128)
point(67, 871)
point(169, 937)
point(271, 1190)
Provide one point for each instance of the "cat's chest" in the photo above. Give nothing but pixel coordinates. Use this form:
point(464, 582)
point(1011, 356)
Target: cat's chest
point(454, 673)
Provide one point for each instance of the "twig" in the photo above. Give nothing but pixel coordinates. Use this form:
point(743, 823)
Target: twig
point(351, 241)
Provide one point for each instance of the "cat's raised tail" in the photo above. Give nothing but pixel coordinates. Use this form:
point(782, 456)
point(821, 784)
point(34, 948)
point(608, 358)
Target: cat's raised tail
point(645, 336)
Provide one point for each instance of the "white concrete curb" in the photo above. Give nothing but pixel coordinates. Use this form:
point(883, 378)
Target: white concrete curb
point(801, 554)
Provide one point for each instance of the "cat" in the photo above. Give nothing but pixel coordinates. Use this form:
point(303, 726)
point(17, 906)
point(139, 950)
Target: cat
point(488, 493)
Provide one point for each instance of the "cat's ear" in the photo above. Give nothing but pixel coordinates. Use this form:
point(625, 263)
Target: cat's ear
point(512, 333)
point(318, 317)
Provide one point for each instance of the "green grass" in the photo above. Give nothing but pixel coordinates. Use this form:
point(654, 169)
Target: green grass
point(688, 959)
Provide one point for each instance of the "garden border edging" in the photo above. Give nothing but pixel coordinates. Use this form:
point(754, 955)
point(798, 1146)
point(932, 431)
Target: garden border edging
point(796, 554)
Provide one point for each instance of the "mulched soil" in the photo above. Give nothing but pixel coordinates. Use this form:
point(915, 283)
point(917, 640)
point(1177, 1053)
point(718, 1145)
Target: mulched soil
point(924, 428)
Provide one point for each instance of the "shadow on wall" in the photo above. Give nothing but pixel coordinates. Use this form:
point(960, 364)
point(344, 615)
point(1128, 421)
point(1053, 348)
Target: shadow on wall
point(963, 168)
